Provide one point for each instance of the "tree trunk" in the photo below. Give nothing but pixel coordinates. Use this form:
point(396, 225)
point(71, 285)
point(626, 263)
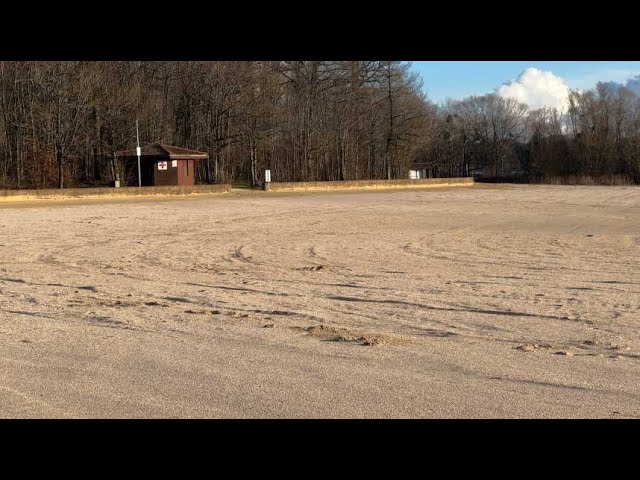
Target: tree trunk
point(61, 173)
point(254, 173)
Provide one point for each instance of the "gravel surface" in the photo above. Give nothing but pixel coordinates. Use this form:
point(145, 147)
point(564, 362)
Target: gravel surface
point(486, 301)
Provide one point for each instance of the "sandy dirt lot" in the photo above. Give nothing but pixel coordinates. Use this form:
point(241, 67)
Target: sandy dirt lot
point(487, 301)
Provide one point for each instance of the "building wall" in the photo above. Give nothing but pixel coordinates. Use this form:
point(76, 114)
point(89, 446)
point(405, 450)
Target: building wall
point(185, 174)
point(182, 174)
point(165, 177)
point(417, 174)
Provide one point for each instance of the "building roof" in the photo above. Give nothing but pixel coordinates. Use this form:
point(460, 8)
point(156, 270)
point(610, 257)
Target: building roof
point(163, 150)
point(420, 165)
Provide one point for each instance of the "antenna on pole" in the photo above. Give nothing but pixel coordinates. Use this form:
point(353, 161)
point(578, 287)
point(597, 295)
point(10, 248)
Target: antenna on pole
point(138, 152)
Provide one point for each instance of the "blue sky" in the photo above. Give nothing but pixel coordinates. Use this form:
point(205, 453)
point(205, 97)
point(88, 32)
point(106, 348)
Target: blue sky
point(459, 79)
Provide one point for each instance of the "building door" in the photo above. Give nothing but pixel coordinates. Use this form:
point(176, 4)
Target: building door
point(148, 170)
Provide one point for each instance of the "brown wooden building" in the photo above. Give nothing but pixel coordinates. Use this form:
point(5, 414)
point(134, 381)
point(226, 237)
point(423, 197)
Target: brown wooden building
point(160, 165)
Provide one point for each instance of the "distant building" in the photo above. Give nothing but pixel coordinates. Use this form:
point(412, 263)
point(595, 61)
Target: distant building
point(489, 172)
point(160, 165)
point(481, 172)
point(419, 170)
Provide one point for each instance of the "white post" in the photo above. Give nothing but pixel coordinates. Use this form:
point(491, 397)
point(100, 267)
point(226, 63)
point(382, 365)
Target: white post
point(267, 179)
point(138, 152)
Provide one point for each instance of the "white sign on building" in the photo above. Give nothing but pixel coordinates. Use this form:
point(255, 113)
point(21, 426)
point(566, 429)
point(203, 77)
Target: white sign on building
point(162, 165)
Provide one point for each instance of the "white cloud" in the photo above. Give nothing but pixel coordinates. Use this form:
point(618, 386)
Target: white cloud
point(537, 88)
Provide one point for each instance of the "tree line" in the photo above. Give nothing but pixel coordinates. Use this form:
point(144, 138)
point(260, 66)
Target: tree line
point(62, 122)
point(596, 138)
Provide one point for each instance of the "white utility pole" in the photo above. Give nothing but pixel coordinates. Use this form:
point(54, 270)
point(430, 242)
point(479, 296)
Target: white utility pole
point(138, 152)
